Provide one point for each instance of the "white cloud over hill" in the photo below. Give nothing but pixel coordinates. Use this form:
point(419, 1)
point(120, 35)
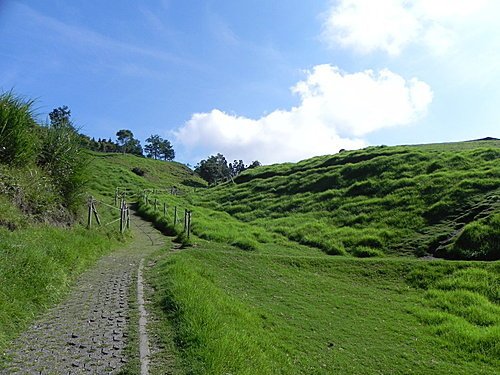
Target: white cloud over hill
point(336, 109)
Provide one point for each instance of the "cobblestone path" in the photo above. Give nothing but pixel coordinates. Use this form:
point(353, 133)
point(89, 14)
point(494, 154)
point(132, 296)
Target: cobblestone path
point(86, 333)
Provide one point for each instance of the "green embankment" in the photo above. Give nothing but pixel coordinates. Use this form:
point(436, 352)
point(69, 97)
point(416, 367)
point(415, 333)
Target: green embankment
point(442, 200)
point(257, 292)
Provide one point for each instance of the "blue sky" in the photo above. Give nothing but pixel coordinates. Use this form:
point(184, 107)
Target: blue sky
point(269, 80)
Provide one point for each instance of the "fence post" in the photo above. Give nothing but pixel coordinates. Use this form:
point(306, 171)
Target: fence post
point(156, 204)
point(122, 216)
point(185, 220)
point(95, 213)
point(189, 224)
point(128, 218)
point(89, 219)
point(175, 215)
point(164, 209)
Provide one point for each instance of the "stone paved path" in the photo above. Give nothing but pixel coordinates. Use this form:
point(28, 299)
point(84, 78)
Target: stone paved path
point(86, 333)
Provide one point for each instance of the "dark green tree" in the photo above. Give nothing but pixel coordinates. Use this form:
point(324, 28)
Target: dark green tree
point(236, 167)
point(254, 164)
point(61, 117)
point(128, 143)
point(167, 151)
point(214, 169)
point(153, 146)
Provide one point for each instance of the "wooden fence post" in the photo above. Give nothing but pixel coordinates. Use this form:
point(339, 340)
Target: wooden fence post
point(156, 204)
point(185, 220)
point(189, 224)
point(122, 217)
point(95, 213)
point(128, 218)
point(89, 219)
point(175, 215)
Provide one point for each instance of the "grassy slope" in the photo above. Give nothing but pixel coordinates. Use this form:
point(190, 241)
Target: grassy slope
point(244, 313)
point(283, 307)
point(393, 200)
point(38, 262)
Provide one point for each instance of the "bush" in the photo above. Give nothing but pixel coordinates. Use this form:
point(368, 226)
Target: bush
point(18, 140)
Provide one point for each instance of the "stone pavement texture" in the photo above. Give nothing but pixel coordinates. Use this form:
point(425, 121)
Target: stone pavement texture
point(87, 332)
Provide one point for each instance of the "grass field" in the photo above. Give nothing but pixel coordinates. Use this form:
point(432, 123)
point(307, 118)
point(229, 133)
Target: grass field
point(250, 312)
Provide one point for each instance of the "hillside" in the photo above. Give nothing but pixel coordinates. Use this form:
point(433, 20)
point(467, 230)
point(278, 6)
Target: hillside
point(112, 170)
point(255, 291)
point(439, 199)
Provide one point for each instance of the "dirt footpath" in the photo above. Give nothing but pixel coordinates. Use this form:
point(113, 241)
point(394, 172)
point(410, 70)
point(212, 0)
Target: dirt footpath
point(87, 332)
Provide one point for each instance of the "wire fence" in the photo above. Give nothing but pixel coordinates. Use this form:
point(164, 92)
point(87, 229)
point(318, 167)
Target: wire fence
point(121, 207)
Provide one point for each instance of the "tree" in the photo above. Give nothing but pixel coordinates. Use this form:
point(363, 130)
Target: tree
point(236, 167)
point(61, 117)
point(128, 143)
point(123, 137)
point(153, 148)
point(214, 169)
point(254, 164)
point(159, 148)
point(167, 151)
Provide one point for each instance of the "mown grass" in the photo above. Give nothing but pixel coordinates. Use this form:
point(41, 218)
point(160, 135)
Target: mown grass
point(251, 312)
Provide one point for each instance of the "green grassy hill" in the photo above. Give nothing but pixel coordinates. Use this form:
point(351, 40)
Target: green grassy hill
point(441, 199)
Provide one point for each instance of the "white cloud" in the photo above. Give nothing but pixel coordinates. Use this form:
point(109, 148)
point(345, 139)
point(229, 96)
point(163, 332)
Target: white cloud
point(391, 25)
point(336, 109)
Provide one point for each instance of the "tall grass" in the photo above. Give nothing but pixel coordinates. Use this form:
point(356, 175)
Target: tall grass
point(37, 266)
point(62, 157)
point(18, 130)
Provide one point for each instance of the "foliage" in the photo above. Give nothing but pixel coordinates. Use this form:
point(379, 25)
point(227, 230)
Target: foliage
point(214, 169)
point(128, 143)
point(159, 148)
point(63, 159)
point(18, 131)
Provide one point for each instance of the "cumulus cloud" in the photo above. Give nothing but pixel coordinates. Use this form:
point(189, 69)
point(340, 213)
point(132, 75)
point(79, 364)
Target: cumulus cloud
point(391, 25)
point(336, 109)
